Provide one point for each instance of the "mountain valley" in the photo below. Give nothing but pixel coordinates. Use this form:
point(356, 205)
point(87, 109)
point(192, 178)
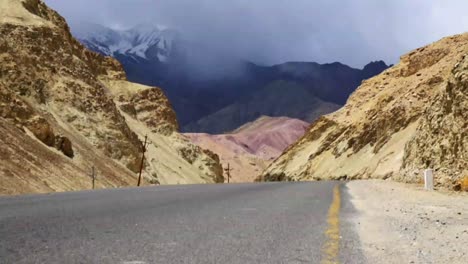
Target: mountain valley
point(156, 57)
point(67, 110)
point(195, 143)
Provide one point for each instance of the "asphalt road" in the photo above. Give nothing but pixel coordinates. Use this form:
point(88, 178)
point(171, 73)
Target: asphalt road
point(237, 223)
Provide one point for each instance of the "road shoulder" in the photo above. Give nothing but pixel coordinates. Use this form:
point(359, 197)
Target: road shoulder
point(399, 223)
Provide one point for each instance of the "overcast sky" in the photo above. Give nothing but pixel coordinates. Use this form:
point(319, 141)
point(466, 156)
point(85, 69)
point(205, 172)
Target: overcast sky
point(274, 31)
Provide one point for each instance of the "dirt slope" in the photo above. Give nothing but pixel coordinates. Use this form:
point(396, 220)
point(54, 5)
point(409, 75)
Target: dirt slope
point(253, 146)
point(64, 109)
point(411, 117)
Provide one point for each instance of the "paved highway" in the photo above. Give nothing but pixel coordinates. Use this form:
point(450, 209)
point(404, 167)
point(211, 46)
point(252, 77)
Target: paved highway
point(237, 223)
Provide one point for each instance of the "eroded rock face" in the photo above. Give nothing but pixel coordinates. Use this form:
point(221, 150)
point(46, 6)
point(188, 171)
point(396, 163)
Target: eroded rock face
point(18, 112)
point(410, 117)
point(148, 109)
point(153, 108)
point(66, 97)
point(441, 140)
point(194, 154)
point(215, 165)
point(48, 68)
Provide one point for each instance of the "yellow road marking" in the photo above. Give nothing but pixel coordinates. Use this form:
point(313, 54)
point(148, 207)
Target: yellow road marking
point(331, 249)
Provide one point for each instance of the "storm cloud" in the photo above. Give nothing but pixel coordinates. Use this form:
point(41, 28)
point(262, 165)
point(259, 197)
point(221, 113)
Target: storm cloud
point(275, 31)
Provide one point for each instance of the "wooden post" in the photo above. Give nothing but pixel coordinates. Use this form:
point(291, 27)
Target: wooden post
point(93, 176)
point(142, 161)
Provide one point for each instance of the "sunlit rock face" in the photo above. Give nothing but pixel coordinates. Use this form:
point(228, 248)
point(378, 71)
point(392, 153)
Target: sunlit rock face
point(407, 119)
point(65, 109)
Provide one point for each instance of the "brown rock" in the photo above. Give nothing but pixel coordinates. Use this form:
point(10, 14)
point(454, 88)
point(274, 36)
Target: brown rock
point(215, 165)
point(64, 145)
point(42, 130)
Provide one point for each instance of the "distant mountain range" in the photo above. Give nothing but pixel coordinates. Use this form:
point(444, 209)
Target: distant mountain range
point(143, 42)
point(213, 93)
point(297, 89)
point(278, 98)
point(252, 147)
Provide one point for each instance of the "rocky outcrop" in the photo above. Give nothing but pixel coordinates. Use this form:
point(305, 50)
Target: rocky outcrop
point(21, 114)
point(441, 139)
point(215, 166)
point(409, 118)
point(79, 103)
point(148, 105)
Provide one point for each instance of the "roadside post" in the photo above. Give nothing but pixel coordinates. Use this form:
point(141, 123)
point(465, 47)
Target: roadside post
point(142, 160)
point(228, 170)
point(93, 177)
point(428, 180)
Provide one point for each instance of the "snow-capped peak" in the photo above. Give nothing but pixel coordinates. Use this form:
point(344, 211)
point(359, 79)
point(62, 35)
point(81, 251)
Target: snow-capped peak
point(145, 41)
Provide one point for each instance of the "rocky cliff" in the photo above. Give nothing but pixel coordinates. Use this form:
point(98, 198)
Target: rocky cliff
point(64, 109)
point(411, 117)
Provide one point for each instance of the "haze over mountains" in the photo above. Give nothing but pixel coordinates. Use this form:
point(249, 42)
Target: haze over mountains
point(205, 88)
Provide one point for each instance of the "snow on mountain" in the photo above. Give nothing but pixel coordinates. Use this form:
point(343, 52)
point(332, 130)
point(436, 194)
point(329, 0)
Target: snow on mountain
point(143, 41)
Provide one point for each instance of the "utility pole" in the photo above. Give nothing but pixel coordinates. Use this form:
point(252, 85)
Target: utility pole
point(93, 176)
point(142, 161)
point(228, 170)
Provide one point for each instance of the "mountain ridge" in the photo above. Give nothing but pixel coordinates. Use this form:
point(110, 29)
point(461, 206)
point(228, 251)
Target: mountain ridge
point(199, 84)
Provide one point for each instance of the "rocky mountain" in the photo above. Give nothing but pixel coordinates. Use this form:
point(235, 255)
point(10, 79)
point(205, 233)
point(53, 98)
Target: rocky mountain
point(65, 109)
point(297, 89)
point(279, 98)
point(411, 117)
point(142, 42)
point(203, 85)
point(250, 148)
point(149, 48)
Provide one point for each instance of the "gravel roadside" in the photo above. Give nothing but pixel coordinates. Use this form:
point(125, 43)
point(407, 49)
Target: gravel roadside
point(399, 223)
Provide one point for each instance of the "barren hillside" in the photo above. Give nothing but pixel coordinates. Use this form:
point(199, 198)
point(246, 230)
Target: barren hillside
point(411, 117)
point(64, 109)
point(253, 146)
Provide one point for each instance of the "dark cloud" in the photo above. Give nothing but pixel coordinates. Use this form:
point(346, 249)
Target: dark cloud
point(274, 31)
